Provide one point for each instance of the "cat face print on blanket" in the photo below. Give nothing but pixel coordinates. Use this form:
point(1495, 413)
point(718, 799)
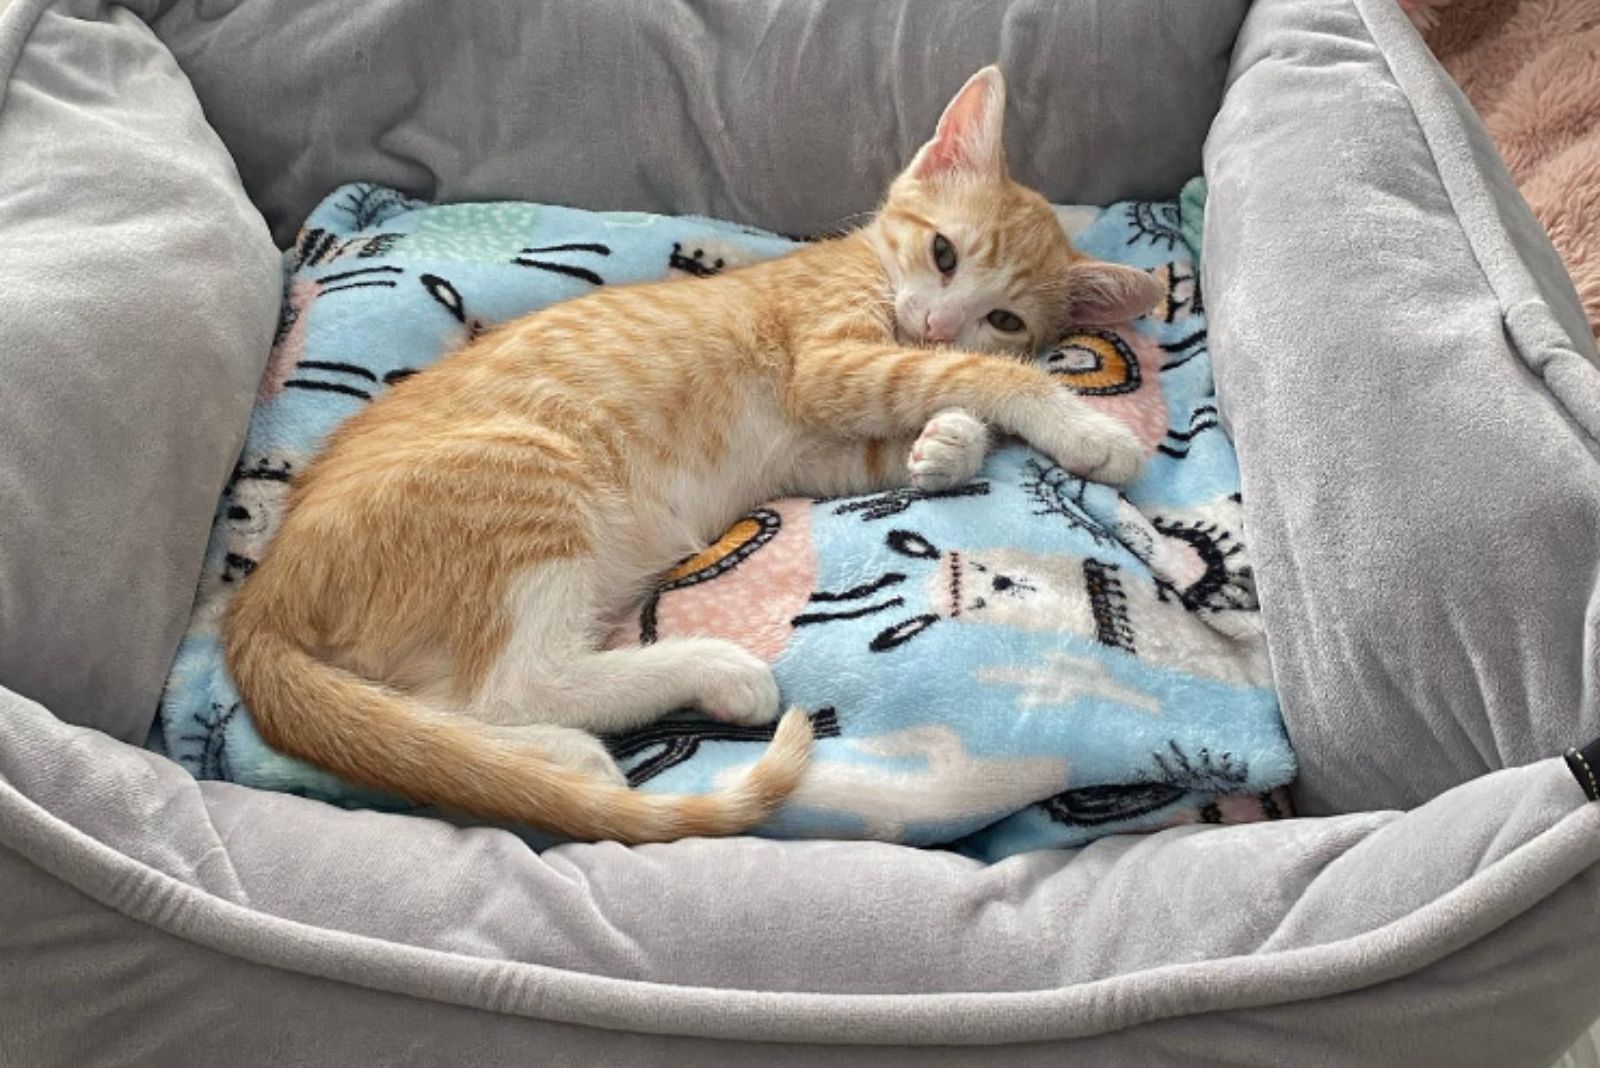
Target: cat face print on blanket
point(1020, 661)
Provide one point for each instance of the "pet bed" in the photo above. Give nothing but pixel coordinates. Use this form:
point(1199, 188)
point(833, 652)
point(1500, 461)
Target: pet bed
point(1402, 363)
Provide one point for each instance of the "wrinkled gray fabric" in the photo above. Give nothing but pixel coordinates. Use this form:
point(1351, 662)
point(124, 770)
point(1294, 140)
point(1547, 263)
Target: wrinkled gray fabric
point(715, 107)
point(94, 987)
point(140, 295)
point(1415, 428)
point(194, 894)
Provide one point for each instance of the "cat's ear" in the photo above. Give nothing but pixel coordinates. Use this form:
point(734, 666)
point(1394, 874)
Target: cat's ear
point(1105, 294)
point(968, 141)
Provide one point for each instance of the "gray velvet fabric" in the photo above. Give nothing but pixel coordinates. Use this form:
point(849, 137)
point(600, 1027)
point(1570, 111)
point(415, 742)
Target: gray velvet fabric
point(1409, 384)
point(140, 295)
point(729, 108)
point(93, 986)
point(222, 897)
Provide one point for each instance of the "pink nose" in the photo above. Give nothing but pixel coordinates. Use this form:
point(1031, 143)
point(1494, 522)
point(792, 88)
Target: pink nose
point(940, 326)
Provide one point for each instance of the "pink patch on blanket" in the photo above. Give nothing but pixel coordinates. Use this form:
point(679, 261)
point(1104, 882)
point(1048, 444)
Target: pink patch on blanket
point(290, 346)
point(1117, 371)
point(746, 587)
point(1238, 808)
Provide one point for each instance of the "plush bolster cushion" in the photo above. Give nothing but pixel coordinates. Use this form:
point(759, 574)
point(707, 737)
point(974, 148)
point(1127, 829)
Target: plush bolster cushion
point(736, 109)
point(1409, 381)
point(153, 919)
point(140, 295)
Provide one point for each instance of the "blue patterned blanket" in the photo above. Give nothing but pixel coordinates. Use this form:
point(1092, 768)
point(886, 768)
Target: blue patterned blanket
point(1025, 661)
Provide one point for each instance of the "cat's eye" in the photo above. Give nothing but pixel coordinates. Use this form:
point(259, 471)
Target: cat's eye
point(944, 254)
point(1004, 321)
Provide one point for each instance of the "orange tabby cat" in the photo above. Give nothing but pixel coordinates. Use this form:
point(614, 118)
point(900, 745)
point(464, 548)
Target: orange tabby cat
point(428, 619)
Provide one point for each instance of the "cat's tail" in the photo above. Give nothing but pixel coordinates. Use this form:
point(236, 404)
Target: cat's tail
point(373, 736)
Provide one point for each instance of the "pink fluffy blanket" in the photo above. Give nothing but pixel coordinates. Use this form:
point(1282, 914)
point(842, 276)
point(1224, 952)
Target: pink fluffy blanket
point(1532, 70)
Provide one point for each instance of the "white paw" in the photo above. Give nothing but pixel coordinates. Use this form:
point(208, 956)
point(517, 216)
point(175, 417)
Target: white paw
point(949, 451)
point(1100, 449)
point(734, 685)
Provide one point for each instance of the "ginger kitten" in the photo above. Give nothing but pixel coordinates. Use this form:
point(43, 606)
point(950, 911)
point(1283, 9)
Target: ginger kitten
point(428, 619)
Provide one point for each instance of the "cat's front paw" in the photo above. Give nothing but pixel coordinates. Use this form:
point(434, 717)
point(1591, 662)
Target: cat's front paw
point(1100, 449)
point(733, 684)
point(949, 451)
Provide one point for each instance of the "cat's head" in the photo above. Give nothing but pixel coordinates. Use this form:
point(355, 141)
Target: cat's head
point(980, 262)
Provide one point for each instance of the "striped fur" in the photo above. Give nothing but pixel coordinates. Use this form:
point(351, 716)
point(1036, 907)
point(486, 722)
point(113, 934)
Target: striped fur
point(428, 619)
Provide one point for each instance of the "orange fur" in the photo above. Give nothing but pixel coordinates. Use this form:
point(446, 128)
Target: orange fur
point(427, 619)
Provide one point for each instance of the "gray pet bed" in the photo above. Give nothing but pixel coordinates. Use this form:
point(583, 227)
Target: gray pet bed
point(1399, 354)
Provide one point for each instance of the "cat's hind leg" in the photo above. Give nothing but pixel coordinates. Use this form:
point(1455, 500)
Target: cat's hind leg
point(550, 670)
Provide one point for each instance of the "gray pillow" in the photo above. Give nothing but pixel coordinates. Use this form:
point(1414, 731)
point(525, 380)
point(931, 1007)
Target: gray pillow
point(140, 294)
point(1409, 379)
point(727, 108)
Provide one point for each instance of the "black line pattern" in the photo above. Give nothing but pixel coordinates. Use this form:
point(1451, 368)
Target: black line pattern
point(359, 272)
point(316, 246)
point(211, 733)
point(694, 263)
point(385, 284)
point(1094, 806)
point(1108, 603)
point(1058, 492)
point(367, 203)
point(677, 737)
point(1203, 772)
point(327, 387)
point(866, 589)
point(893, 502)
point(902, 632)
point(311, 246)
point(334, 365)
point(265, 469)
point(378, 245)
point(562, 268)
point(288, 315)
point(1183, 344)
point(567, 269)
point(1157, 222)
point(1227, 584)
point(1178, 442)
point(574, 246)
point(1176, 303)
point(807, 618)
point(1270, 807)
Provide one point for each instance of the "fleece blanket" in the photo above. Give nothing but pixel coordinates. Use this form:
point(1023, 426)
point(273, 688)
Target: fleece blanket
point(1025, 661)
point(1531, 69)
